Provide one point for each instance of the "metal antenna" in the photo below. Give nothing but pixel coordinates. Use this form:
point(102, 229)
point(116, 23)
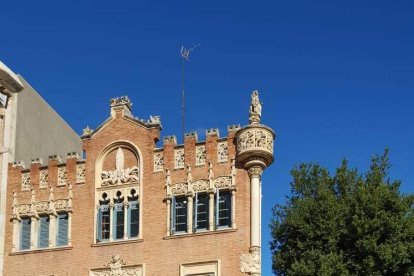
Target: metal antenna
point(185, 56)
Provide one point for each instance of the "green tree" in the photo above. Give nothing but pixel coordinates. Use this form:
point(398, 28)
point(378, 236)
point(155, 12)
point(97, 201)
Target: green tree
point(344, 224)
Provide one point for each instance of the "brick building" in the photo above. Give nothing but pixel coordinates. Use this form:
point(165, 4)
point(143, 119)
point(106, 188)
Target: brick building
point(130, 208)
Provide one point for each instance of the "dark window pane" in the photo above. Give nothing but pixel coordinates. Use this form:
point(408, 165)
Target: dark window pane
point(44, 223)
point(133, 219)
point(105, 223)
point(202, 211)
point(180, 214)
point(25, 233)
point(119, 217)
point(62, 233)
point(224, 209)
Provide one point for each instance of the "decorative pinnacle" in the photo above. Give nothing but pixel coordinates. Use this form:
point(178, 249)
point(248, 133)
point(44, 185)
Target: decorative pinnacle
point(87, 131)
point(255, 112)
point(124, 100)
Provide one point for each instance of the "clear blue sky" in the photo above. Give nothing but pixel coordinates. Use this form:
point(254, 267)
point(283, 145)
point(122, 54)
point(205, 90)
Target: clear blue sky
point(336, 77)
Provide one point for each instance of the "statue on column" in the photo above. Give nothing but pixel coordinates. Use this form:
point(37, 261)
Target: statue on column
point(255, 112)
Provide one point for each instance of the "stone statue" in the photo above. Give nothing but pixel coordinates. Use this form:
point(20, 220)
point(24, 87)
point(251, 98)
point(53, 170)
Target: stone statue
point(255, 112)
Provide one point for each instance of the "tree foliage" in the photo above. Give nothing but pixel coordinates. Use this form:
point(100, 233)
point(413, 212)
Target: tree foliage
point(344, 224)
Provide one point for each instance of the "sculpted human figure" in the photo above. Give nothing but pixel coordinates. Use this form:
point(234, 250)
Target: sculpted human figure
point(255, 108)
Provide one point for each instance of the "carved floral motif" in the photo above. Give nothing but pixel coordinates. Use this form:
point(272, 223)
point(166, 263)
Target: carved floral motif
point(80, 173)
point(179, 158)
point(120, 175)
point(222, 152)
point(201, 154)
point(26, 181)
point(118, 267)
point(255, 139)
point(62, 176)
point(200, 185)
point(250, 262)
point(42, 206)
point(179, 188)
point(158, 162)
point(223, 182)
point(43, 179)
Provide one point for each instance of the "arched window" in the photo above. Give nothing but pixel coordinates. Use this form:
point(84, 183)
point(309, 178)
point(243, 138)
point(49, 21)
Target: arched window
point(117, 193)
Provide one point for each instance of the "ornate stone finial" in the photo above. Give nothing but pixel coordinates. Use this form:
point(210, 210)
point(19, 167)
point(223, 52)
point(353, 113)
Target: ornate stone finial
point(73, 154)
point(51, 195)
point(33, 197)
point(168, 182)
point(33, 211)
point(233, 128)
point(210, 171)
point(213, 131)
point(116, 264)
point(191, 135)
point(255, 112)
point(154, 120)
point(17, 164)
point(70, 195)
point(170, 139)
point(124, 100)
point(251, 262)
point(189, 174)
point(14, 202)
point(37, 161)
point(55, 157)
point(87, 131)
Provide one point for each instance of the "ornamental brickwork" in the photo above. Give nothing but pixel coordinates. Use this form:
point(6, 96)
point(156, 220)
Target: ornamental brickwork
point(135, 207)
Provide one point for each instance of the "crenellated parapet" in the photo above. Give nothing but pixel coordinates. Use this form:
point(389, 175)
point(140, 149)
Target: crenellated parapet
point(54, 174)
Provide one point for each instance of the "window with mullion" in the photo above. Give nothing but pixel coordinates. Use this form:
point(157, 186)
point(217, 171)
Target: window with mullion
point(62, 229)
point(133, 218)
point(179, 214)
point(25, 233)
point(223, 208)
point(104, 223)
point(201, 210)
point(43, 240)
point(119, 220)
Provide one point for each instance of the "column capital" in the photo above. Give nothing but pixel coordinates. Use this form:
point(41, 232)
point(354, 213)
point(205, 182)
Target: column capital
point(255, 171)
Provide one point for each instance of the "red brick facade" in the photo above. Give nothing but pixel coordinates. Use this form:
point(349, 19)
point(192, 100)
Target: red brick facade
point(158, 253)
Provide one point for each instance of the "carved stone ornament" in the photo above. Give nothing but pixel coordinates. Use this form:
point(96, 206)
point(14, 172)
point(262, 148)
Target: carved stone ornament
point(179, 189)
point(26, 181)
point(87, 131)
point(80, 173)
point(222, 152)
point(62, 176)
point(179, 158)
point(43, 179)
point(124, 100)
point(118, 267)
point(255, 139)
point(158, 162)
point(255, 171)
point(201, 154)
point(200, 185)
point(154, 120)
point(120, 175)
point(250, 262)
point(255, 112)
point(223, 182)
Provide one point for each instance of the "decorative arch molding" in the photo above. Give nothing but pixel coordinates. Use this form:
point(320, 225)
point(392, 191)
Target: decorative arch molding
point(118, 189)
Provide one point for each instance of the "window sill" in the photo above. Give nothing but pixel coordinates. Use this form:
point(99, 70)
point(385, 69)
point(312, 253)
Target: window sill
point(41, 250)
point(203, 233)
point(108, 243)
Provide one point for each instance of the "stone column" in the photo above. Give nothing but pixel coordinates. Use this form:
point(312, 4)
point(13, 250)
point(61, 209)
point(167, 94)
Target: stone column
point(125, 217)
point(33, 233)
point(233, 208)
point(111, 221)
point(168, 216)
point(52, 230)
point(16, 235)
point(190, 213)
point(255, 174)
point(211, 205)
point(69, 228)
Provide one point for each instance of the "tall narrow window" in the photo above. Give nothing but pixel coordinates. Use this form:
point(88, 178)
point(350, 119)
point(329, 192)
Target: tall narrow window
point(133, 215)
point(201, 211)
point(43, 240)
point(25, 233)
point(119, 216)
point(103, 219)
point(62, 229)
point(179, 217)
point(223, 208)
